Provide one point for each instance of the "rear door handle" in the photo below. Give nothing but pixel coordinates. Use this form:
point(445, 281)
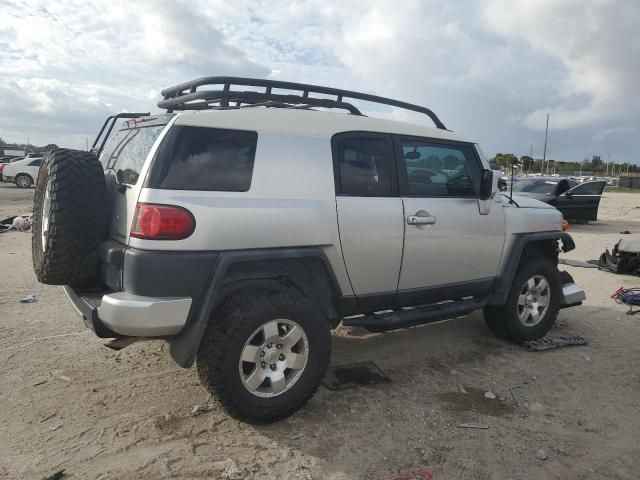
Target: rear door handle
point(421, 218)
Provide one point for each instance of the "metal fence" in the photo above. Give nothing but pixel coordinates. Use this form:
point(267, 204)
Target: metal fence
point(629, 182)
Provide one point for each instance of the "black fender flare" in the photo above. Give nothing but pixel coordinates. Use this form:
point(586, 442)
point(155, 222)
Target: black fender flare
point(500, 290)
point(184, 346)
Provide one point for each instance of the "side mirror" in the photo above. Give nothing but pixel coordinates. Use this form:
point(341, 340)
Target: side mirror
point(487, 187)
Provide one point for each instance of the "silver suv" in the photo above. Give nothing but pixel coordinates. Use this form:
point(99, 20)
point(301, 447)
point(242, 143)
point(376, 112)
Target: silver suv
point(251, 218)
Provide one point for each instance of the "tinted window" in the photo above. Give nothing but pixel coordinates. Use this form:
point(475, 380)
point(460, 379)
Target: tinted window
point(535, 186)
point(127, 151)
point(198, 158)
point(36, 163)
point(440, 170)
point(589, 188)
point(365, 164)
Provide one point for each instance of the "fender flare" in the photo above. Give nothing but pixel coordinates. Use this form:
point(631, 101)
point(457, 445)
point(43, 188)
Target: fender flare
point(502, 285)
point(184, 346)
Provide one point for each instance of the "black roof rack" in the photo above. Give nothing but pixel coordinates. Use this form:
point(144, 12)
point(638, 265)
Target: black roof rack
point(186, 96)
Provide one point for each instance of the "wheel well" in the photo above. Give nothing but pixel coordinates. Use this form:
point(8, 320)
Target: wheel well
point(308, 275)
point(538, 248)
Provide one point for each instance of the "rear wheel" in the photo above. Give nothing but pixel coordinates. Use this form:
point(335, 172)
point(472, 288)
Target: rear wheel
point(264, 353)
point(23, 180)
point(532, 306)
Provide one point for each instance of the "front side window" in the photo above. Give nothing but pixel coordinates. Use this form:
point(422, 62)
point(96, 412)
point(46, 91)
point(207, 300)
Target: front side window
point(364, 164)
point(200, 158)
point(589, 188)
point(440, 170)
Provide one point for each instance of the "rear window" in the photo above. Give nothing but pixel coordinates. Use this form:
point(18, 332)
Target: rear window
point(200, 158)
point(127, 150)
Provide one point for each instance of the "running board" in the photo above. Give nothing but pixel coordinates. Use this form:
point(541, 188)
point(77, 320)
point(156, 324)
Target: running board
point(405, 318)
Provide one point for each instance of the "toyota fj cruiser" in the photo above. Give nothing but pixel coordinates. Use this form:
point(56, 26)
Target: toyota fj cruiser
point(248, 220)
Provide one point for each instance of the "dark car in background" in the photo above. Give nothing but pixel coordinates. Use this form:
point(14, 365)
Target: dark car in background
point(578, 202)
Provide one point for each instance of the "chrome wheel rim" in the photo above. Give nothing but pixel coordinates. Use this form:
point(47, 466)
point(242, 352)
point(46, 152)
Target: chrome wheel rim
point(273, 358)
point(23, 181)
point(533, 301)
point(46, 208)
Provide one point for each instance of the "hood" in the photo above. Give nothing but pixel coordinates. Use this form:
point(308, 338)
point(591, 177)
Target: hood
point(531, 200)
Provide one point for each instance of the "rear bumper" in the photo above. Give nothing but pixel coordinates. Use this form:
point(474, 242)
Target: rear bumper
point(124, 314)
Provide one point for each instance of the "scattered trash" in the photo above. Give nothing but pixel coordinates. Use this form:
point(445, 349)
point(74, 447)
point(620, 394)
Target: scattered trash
point(350, 376)
point(623, 259)
point(18, 223)
point(56, 476)
point(625, 232)
point(490, 395)
point(232, 472)
point(65, 378)
point(462, 389)
point(47, 418)
point(511, 388)
point(541, 455)
point(628, 296)
point(55, 427)
point(551, 343)
point(536, 407)
point(579, 263)
point(200, 409)
point(29, 299)
point(473, 425)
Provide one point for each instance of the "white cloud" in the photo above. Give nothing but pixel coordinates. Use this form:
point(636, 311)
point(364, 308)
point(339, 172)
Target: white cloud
point(489, 69)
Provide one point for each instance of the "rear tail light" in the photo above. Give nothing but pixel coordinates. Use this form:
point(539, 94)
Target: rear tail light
point(162, 222)
point(1, 167)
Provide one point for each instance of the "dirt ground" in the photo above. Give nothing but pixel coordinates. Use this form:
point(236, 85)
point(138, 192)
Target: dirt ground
point(68, 402)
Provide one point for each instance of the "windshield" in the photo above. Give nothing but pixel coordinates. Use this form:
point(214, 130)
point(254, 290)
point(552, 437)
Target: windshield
point(535, 186)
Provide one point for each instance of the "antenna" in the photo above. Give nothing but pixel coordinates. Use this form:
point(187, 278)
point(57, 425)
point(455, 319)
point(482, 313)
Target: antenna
point(511, 188)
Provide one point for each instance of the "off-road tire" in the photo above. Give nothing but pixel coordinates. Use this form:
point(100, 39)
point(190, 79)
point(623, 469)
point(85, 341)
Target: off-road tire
point(503, 320)
point(26, 177)
point(77, 218)
point(231, 326)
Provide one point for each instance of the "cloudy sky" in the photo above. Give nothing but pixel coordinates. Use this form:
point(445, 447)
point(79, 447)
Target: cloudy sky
point(490, 69)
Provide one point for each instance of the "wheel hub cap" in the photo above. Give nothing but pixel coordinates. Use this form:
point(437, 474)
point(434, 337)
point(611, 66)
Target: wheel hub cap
point(533, 301)
point(273, 358)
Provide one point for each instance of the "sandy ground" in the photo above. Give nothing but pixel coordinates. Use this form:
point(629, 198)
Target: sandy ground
point(66, 401)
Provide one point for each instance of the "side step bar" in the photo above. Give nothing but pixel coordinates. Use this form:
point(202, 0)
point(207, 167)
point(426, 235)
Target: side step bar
point(382, 322)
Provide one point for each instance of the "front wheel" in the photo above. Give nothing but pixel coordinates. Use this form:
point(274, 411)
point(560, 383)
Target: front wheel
point(533, 303)
point(23, 181)
point(264, 353)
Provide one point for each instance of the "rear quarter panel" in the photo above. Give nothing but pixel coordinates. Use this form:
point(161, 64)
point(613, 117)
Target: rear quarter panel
point(290, 203)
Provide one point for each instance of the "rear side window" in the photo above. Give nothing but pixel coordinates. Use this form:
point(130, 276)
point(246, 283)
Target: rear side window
point(200, 158)
point(128, 149)
point(364, 163)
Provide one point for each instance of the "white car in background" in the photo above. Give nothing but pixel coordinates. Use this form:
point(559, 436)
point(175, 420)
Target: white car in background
point(23, 172)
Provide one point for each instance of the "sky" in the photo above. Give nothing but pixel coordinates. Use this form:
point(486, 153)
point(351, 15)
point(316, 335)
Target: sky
point(490, 69)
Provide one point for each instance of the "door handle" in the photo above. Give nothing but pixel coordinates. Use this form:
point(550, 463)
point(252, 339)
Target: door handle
point(421, 218)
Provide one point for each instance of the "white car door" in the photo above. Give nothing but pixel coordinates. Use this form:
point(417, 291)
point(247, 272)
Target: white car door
point(451, 249)
point(370, 215)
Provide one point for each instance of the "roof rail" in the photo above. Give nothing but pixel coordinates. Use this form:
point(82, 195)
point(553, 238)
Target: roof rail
point(186, 96)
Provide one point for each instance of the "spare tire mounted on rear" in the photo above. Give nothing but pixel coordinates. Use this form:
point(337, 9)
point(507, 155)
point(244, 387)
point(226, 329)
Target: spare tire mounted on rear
point(69, 218)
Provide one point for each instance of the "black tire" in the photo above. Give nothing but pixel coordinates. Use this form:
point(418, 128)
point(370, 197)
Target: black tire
point(504, 322)
point(218, 359)
point(23, 180)
point(77, 218)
